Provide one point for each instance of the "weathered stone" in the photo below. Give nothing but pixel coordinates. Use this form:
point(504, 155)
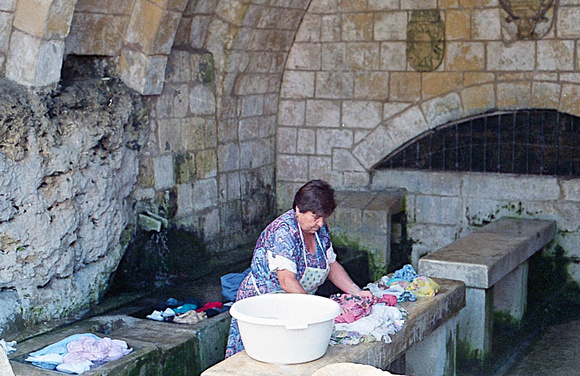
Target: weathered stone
point(374, 147)
point(202, 100)
point(44, 19)
point(34, 62)
point(145, 74)
point(357, 27)
point(439, 83)
point(322, 113)
point(405, 86)
point(361, 114)
point(362, 56)
point(327, 139)
point(86, 26)
point(414, 124)
point(514, 95)
point(292, 168)
point(306, 143)
point(465, 56)
point(390, 26)
point(371, 85)
point(330, 28)
point(443, 109)
point(475, 78)
point(69, 179)
point(292, 113)
point(570, 100)
point(485, 24)
point(192, 133)
point(556, 55)
point(343, 160)
point(457, 24)
point(478, 99)
point(569, 22)
point(546, 95)
point(298, 84)
point(514, 57)
point(334, 85)
point(204, 194)
point(305, 56)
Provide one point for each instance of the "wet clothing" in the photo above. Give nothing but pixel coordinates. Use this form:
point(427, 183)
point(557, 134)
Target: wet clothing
point(281, 247)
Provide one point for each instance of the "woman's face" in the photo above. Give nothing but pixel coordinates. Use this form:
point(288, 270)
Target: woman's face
point(309, 222)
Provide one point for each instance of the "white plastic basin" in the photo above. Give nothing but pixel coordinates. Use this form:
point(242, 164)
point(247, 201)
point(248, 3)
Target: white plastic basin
point(285, 328)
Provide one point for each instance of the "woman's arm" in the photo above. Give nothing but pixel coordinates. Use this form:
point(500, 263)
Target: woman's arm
point(288, 282)
point(340, 278)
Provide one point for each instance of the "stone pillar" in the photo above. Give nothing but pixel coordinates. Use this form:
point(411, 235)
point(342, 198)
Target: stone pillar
point(476, 322)
point(511, 293)
point(37, 44)
point(436, 354)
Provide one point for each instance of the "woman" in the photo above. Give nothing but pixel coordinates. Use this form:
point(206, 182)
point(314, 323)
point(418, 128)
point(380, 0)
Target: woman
point(294, 254)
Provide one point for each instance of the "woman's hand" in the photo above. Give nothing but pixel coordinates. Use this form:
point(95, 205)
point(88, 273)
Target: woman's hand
point(365, 293)
point(340, 278)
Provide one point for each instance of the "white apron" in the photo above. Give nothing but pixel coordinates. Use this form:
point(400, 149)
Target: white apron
point(312, 277)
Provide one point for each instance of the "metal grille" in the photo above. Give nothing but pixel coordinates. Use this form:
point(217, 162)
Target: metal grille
point(535, 142)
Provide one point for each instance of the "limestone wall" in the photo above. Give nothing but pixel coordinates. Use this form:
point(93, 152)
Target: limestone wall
point(68, 165)
point(351, 95)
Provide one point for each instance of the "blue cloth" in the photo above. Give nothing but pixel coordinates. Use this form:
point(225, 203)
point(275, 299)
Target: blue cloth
point(406, 273)
point(230, 284)
point(185, 308)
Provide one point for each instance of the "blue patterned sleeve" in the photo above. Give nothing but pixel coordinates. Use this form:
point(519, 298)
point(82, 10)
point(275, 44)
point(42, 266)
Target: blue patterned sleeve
point(282, 250)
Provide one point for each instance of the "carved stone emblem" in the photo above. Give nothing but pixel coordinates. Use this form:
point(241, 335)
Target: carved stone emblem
point(532, 18)
point(425, 40)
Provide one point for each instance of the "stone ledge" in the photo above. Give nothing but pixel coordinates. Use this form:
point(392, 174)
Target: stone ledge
point(158, 348)
point(485, 256)
point(425, 316)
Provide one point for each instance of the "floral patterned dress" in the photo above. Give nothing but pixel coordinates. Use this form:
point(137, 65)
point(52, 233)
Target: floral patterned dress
point(279, 247)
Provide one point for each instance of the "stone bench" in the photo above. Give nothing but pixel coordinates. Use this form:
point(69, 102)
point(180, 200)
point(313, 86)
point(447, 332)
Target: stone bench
point(425, 345)
point(492, 261)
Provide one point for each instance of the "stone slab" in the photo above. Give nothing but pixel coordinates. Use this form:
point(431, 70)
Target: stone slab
point(159, 348)
point(485, 256)
point(425, 316)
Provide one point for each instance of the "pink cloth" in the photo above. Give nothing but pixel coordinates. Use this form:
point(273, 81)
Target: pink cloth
point(95, 350)
point(355, 307)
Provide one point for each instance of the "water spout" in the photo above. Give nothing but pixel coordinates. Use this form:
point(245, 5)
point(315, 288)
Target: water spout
point(152, 222)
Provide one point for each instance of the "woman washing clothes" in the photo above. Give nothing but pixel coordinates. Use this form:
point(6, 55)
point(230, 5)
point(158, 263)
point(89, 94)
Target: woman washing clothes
point(294, 254)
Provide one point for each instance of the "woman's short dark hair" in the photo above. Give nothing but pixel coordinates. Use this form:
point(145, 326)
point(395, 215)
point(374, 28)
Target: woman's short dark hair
point(316, 196)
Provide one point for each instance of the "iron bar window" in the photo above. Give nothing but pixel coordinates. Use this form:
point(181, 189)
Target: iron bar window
point(535, 142)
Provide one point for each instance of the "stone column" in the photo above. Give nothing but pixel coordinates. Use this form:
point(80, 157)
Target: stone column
point(37, 44)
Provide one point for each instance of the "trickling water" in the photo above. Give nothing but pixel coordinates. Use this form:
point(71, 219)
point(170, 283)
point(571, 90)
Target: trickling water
point(153, 259)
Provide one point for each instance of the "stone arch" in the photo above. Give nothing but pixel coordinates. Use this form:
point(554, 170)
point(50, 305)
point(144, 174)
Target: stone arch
point(36, 47)
point(42, 36)
point(416, 119)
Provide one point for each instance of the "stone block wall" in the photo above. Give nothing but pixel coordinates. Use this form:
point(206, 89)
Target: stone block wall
point(350, 95)
point(443, 206)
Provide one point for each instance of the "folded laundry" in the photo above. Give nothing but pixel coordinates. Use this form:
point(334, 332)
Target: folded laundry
point(78, 353)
